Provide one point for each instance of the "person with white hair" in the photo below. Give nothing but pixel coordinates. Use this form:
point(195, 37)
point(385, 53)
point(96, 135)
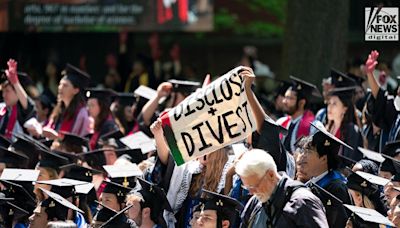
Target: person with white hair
point(277, 201)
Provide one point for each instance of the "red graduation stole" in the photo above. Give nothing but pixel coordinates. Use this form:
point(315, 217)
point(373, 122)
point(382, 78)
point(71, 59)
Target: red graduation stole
point(96, 135)
point(11, 121)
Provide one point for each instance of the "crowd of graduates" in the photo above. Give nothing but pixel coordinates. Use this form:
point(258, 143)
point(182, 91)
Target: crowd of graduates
point(75, 157)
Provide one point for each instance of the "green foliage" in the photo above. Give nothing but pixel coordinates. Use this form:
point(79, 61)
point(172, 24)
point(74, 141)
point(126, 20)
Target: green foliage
point(225, 20)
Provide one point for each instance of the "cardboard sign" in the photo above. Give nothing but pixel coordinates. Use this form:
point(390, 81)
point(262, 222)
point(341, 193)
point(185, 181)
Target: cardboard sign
point(209, 119)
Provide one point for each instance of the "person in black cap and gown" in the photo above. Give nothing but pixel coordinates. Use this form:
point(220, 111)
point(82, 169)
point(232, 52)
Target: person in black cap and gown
point(99, 101)
point(19, 108)
point(70, 113)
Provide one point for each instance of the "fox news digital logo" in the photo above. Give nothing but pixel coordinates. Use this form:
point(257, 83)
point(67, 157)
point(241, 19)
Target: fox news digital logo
point(382, 24)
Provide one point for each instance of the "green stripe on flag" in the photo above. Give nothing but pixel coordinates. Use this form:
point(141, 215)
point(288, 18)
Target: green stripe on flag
point(176, 153)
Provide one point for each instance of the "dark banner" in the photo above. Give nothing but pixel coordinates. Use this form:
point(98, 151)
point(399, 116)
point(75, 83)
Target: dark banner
point(105, 15)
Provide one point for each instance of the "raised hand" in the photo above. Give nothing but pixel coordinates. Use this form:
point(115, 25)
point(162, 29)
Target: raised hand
point(11, 73)
point(371, 62)
point(164, 89)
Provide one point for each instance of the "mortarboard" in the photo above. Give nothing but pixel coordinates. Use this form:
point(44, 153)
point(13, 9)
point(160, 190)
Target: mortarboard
point(28, 175)
point(372, 155)
point(145, 92)
point(305, 90)
point(57, 206)
point(73, 139)
point(22, 192)
point(155, 198)
point(50, 159)
point(112, 139)
point(360, 184)
point(392, 148)
point(104, 213)
point(227, 208)
point(365, 217)
point(325, 141)
point(115, 220)
point(340, 79)
point(103, 95)
point(328, 199)
point(139, 140)
point(186, 87)
point(133, 155)
point(343, 92)
point(78, 172)
point(124, 175)
point(126, 99)
point(65, 187)
point(12, 157)
point(373, 178)
point(346, 160)
point(358, 79)
point(77, 77)
point(117, 189)
point(396, 166)
point(282, 87)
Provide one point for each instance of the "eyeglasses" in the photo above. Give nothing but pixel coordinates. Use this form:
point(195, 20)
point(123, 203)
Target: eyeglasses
point(255, 186)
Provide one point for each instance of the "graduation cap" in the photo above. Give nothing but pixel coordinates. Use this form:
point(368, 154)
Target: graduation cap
point(78, 172)
point(28, 175)
point(57, 206)
point(305, 90)
point(117, 189)
point(126, 99)
point(77, 77)
point(186, 87)
point(102, 95)
point(51, 159)
point(396, 166)
point(112, 139)
point(12, 157)
point(344, 93)
point(73, 139)
point(340, 79)
point(282, 87)
point(139, 140)
point(346, 160)
point(11, 212)
point(155, 198)
point(104, 213)
point(145, 92)
point(227, 208)
point(366, 217)
point(392, 148)
point(372, 155)
point(358, 79)
point(22, 192)
point(65, 187)
point(360, 184)
point(115, 220)
point(280, 128)
point(325, 141)
point(328, 199)
point(124, 175)
point(374, 179)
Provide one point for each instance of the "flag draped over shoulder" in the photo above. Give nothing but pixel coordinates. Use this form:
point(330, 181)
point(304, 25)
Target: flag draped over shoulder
point(209, 119)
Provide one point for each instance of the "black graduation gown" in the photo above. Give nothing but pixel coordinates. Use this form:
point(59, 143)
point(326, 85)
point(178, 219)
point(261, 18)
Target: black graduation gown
point(302, 209)
point(384, 115)
point(23, 115)
point(268, 140)
point(352, 136)
point(338, 216)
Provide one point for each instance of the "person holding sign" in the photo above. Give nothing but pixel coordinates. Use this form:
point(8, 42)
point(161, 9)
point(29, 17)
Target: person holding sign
point(184, 183)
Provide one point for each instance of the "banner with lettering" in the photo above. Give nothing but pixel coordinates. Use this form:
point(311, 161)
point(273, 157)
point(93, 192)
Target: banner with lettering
point(209, 119)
